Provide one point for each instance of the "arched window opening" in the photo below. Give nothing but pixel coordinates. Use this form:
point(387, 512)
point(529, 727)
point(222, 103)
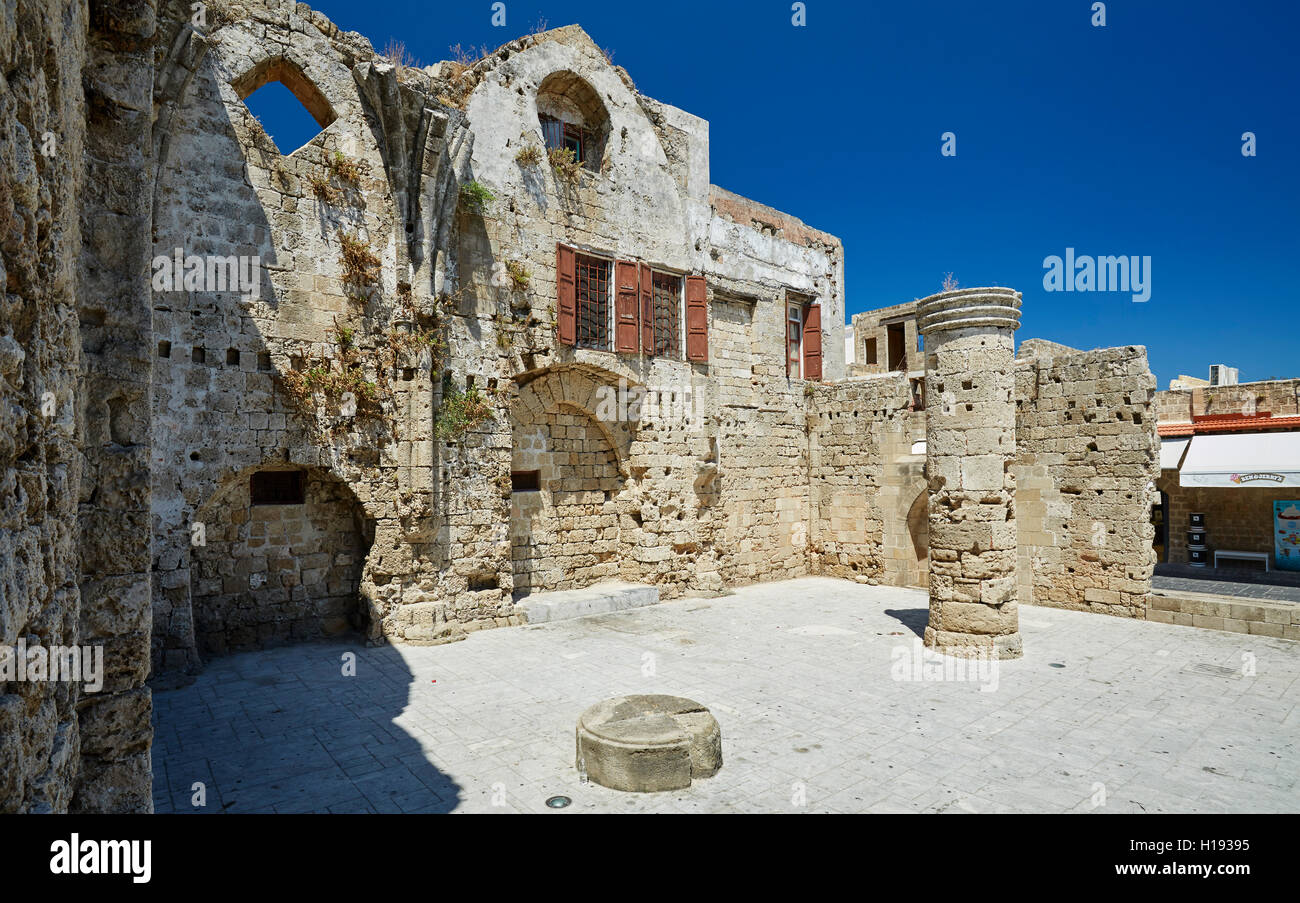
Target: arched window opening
point(573, 118)
point(288, 106)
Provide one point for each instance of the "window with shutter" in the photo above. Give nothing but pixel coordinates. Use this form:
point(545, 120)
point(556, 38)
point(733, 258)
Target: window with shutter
point(812, 342)
point(793, 340)
point(667, 304)
point(627, 324)
point(697, 319)
point(647, 309)
point(566, 310)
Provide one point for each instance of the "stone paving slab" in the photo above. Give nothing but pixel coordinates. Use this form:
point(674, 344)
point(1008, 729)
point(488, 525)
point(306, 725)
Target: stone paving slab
point(603, 598)
point(814, 683)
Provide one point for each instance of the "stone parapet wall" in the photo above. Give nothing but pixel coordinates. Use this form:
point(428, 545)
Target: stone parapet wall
point(1279, 397)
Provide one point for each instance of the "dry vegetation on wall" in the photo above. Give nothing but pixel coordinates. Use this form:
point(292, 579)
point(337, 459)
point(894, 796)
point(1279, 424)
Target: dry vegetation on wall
point(565, 163)
point(529, 155)
point(361, 267)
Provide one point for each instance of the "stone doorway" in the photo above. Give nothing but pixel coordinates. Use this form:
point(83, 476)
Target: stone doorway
point(281, 560)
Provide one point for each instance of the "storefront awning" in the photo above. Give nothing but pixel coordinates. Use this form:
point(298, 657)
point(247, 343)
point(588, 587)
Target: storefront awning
point(1262, 460)
point(1171, 452)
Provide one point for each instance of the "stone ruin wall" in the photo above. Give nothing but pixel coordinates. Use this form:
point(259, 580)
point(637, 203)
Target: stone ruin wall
point(1087, 453)
point(688, 507)
point(1087, 460)
point(222, 405)
point(684, 505)
point(866, 481)
point(74, 413)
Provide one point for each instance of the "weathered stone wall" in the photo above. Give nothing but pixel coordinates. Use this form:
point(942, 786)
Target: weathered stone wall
point(1087, 461)
point(114, 409)
point(666, 506)
point(716, 489)
point(74, 136)
point(267, 575)
point(865, 480)
point(42, 48)
point(226, 361)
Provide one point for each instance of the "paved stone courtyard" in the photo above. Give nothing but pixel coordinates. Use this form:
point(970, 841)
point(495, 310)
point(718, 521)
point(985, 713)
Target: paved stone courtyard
point(1273, 586)
point(799, 674)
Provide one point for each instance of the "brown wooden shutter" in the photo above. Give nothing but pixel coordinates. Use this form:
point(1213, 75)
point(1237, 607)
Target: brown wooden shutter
point(627, 325)
point(566, 309)
point(697, 319)
point(647, 311)
point(812, 342)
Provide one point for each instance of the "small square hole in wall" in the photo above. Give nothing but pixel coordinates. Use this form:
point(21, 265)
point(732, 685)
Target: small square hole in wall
point(263, 360)
point(232, 357)
point(164, 349)
point(525, 480)
point(277, 487)
point(198, 355)
point(408, 374)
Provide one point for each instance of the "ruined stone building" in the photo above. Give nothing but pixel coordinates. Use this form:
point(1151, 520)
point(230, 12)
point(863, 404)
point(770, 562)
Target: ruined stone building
point(492, 332)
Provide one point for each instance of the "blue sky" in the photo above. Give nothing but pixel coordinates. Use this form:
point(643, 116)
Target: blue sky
point(1118, 140)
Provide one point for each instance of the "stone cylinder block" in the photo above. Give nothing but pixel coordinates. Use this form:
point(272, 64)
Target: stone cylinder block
point(970, 447)
point(648, 743)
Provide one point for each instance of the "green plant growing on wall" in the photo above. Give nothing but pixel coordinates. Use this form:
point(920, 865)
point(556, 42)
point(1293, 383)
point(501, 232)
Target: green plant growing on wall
point(407, 342)
point(475, 197)
point(565, 163)
point(461, 412)
point(529, 155)
point(520, 277)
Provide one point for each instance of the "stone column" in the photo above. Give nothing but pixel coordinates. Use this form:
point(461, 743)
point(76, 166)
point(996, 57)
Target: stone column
point(970, 434)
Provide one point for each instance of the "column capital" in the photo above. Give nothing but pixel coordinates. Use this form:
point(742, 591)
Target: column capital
point(967, 308)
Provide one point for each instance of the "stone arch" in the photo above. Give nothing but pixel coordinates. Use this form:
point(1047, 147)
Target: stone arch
point(568, 468)
point(591, 390)
point(918, 530)
point(569, 99)
point(265, 575)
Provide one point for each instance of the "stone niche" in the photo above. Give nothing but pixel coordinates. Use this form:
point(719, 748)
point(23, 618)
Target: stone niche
point(281, 562)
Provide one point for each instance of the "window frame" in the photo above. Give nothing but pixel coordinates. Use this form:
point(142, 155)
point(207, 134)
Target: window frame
point(609, 264)
point(555, 128)
point(679, 314)
point(794, 367)
point(279, 492)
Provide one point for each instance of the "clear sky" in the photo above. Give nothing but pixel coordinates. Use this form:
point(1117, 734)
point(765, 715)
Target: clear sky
point(1117, 140)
